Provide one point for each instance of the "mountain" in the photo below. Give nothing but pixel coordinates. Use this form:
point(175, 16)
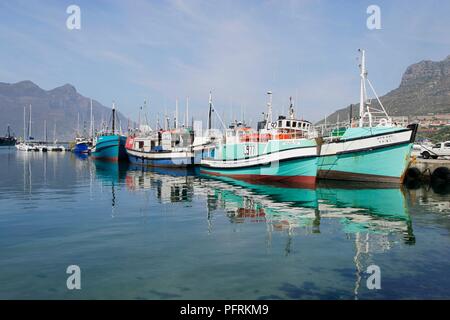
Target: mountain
point(424, 89)
point(59, 106)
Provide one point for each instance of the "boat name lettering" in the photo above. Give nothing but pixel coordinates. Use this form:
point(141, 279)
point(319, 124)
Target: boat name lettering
point(385, 139)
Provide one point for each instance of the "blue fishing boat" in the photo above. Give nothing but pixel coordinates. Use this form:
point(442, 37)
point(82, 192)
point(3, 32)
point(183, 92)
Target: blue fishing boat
point(109, 145)
point(372, 149)
point(81, 146)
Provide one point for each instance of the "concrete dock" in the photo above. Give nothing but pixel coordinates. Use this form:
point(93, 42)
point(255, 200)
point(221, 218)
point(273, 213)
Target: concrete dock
point(429, 164)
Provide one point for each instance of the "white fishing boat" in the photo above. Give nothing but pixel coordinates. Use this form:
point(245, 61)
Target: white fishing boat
point(168, 147)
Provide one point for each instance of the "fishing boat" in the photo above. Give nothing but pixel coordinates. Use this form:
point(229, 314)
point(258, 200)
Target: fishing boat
point(109, 145)
point(83, 143)
point(372, 149)
point(284, 151)
point(163, 148)
point(8, 140)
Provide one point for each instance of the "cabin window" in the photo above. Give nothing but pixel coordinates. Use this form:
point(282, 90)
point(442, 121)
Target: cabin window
point(279, 123)
point(447, 145)
point(437, 146)
point(288, 123)
point(141, 144)
point(294, 124)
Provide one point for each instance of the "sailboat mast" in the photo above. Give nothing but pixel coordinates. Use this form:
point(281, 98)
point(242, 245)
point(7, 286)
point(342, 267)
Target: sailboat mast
point(362, 98)
point(45, 131)
point(29, 127)
point(24, 123)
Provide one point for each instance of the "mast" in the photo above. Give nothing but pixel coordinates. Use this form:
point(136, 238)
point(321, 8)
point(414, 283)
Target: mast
point(139, 118)
point(29, 127)
point(78, 124)
point(113, 118)
point(145, 113)
point(210, 110)
point(54, 133)
point(269, 111)
point(291, 109)
point(175, 122)
point(24, 124)
point(45, 131)
point(350, 116)
point(91, 129)
point(363, 92)
point(186, 121)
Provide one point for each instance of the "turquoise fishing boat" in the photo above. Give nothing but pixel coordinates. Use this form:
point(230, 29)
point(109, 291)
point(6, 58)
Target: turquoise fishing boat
point(283, 151)
point(372, 149)
point(110, 145)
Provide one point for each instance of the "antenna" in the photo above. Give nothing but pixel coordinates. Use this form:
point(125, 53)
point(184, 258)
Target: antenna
point(291, 109)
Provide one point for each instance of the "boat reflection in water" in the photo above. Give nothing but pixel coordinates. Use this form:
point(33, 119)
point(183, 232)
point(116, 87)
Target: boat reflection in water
point(110, 174)
point(374, 217)
point(367, 208)
point(171, 185)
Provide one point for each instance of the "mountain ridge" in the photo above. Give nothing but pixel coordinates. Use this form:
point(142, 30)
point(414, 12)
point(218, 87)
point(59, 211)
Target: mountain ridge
point(60, 106)
point(424, 88)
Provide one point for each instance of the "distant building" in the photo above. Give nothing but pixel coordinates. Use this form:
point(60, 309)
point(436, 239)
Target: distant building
point(428, 123)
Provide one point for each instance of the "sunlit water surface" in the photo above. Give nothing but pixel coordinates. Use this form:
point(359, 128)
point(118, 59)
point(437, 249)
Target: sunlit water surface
point(168, 235)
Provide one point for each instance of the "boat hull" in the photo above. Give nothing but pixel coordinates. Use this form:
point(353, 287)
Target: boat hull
point(110, 148)
point(81, 148)
point(180, 159)
point(375, 158)
point(5, 141)
point(295, 167)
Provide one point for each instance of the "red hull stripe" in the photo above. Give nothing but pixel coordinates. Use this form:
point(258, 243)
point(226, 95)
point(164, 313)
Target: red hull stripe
point(308, 182)
point(109, 159)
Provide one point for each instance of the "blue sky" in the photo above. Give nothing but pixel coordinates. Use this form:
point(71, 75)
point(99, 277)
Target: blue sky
point(129, 51)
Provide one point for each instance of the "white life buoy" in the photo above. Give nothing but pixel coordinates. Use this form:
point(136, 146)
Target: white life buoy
point(383, 122)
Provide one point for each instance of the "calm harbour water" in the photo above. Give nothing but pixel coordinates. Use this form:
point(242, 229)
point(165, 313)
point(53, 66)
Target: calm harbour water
point(165, 235)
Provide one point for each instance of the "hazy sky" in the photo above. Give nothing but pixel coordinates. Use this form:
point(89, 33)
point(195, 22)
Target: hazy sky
point(129, 51)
